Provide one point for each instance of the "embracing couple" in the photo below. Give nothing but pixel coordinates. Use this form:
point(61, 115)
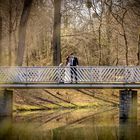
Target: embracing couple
point(70, 69)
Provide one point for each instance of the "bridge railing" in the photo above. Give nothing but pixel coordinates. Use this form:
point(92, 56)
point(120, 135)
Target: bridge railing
point(84, 74)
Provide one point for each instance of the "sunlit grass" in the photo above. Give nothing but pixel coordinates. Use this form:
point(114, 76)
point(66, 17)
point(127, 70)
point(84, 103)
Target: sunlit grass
point(26, 108)
point(82, 104)
point(17, 107)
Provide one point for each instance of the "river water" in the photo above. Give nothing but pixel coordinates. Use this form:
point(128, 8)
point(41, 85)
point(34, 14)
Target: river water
point(79, 124)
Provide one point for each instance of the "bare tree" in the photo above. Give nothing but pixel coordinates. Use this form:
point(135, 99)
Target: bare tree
point(0, 35)
point(100, 18)
point(56, 33)
point(139, 49)
point(14, 11)
point(0, 39)
point(10, 32)
point(108, 30)
point(22, 31)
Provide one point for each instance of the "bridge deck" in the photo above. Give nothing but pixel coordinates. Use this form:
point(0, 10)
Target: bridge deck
point(87, 77)
point(74, 86)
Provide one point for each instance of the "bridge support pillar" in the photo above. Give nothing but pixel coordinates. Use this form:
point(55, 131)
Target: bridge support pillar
point(128, 104)
point(6, 102)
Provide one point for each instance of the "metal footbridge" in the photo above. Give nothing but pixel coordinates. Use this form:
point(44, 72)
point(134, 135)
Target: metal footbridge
point(121, 77)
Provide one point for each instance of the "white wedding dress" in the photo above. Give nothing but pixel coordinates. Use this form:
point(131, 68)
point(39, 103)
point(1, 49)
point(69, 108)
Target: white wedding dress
point(67, 76)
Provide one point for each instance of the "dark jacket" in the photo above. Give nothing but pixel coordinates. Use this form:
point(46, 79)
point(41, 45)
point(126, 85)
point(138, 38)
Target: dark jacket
point(75, 61)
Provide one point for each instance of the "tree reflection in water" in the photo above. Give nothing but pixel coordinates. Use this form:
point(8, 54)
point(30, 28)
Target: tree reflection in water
point(83, 124)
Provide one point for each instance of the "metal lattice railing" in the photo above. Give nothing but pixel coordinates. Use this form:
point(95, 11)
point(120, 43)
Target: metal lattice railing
point(83, 74)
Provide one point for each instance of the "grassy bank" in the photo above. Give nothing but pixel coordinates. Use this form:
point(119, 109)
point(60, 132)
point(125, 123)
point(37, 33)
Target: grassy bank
point(52, 106)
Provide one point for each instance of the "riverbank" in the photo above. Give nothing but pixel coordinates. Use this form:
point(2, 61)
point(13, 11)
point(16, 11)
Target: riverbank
point(31, 100)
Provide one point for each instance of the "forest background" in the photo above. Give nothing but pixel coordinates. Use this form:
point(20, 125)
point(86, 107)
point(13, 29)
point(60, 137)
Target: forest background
point(44, 32)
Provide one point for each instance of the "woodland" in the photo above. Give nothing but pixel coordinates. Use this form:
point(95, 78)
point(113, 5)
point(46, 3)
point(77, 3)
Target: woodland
point(44, 32)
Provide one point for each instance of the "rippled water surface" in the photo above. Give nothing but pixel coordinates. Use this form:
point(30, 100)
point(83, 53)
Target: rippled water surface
point(81, 124)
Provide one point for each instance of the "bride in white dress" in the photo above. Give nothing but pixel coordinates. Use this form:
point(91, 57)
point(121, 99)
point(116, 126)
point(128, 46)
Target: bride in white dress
point(67, 77)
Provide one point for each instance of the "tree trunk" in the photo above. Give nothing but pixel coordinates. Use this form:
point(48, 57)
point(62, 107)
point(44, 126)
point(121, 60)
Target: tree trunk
point(0, 40)
point(56, 33)
point(66, 16)
point(10, 34)
point(117, 51)
point(22, 31)
point(125, 38)
point(108, 32)
point(126, 46)
point(139, 49)
point(100, 46)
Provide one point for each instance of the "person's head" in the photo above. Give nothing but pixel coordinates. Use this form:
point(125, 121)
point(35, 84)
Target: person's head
point(72, 55)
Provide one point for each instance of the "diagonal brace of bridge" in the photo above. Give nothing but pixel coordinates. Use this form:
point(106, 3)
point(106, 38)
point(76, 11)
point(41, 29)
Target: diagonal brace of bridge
point(65, 77)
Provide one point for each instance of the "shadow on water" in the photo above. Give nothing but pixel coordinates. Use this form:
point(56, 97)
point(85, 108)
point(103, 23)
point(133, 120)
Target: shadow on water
point(82, 124)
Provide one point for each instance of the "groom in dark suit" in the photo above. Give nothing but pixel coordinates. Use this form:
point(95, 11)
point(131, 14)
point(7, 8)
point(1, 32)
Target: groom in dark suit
point(73, 63)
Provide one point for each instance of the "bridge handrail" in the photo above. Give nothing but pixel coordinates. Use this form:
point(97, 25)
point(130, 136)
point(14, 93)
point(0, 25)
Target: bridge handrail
point(56, 74)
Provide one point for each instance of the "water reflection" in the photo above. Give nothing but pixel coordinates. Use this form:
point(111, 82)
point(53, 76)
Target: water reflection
point(128, 129)
point(82, 124)
point(5, 128)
